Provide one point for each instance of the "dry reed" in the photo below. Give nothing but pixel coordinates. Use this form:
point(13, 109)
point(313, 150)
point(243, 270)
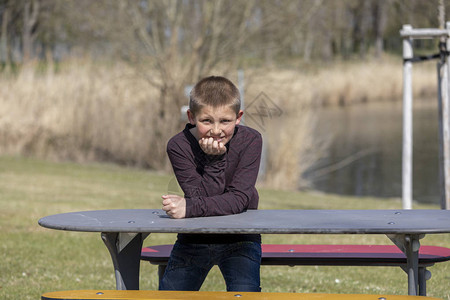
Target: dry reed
point(92, 112)
point(83, 113)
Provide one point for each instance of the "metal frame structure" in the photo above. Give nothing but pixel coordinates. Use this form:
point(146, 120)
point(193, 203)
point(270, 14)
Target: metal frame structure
point(408, 33)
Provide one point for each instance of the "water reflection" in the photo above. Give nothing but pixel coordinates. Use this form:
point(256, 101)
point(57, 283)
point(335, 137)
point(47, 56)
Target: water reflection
point(365, 155)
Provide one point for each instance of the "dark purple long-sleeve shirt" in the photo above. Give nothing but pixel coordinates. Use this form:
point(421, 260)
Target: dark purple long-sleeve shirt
point(217, 185)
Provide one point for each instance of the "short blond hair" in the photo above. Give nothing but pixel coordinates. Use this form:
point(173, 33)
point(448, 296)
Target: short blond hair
point(215, 91)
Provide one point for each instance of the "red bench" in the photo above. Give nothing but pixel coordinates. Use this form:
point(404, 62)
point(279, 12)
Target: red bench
point(327, 255)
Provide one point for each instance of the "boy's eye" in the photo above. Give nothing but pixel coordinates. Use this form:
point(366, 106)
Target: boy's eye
point(206, 121)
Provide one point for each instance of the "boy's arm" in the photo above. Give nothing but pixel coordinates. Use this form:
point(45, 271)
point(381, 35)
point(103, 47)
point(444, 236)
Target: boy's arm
point(206, 195)
point(206, 178)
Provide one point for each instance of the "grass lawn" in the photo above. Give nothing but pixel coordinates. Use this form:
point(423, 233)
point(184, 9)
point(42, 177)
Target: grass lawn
point(35, 260)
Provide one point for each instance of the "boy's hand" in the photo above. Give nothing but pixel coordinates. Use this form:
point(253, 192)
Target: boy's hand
point(212, 147)
point(174, 206)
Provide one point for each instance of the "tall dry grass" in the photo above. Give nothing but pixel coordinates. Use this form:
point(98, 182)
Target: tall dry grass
point(292, 144)
point(85, 112)
point(93, 112)
point(342, 83)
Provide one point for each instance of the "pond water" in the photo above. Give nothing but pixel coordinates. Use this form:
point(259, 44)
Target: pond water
point(365, 154)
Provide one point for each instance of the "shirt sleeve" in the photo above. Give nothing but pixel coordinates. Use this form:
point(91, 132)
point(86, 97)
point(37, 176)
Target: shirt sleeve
point(197, 175)
point(204, 182)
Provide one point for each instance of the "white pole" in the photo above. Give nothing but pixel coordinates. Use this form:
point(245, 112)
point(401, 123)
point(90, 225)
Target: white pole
point(407, 121)
point(442, 90)
point(444, 120)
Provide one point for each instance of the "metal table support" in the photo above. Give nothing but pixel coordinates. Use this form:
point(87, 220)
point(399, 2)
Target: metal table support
point(125, 250)
point(409, 244)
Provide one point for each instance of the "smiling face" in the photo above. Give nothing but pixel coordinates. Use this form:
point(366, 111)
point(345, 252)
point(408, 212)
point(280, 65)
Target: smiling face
point(215, 122)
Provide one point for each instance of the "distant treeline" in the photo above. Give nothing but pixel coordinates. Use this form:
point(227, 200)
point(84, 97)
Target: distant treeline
point(245, 30)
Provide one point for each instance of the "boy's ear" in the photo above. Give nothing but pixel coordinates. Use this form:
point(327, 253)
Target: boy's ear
point(239, 117)
point(191, 117)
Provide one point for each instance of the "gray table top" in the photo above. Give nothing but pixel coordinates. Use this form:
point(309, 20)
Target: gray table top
point(257, 221)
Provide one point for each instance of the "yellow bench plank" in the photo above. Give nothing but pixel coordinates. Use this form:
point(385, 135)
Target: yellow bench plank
point(155, 295)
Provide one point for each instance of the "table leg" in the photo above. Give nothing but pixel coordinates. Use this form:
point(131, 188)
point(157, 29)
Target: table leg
point(161, 271)
point(125, 250)
point(422, 281)
point(409, 244)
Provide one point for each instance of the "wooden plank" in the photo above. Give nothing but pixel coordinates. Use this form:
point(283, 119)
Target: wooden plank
point(154, 295)
point(264, 221)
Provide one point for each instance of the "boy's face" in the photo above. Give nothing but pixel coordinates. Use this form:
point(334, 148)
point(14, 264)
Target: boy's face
point(215, 122)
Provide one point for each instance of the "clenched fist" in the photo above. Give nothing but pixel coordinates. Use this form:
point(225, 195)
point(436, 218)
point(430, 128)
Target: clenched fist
point(174, 206)
point(211, 146)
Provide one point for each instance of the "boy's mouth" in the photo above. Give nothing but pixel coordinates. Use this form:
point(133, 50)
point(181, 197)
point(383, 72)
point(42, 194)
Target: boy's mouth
point(217, 139)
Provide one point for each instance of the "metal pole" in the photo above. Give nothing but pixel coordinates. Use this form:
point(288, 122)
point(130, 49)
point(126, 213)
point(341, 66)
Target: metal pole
point(441, 92)
point(407, 121)
point(444, 125)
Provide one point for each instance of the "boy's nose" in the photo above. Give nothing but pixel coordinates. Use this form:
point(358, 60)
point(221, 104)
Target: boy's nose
point(215, 130)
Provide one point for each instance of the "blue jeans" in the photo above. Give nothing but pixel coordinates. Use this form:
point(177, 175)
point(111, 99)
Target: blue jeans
point(190, 263)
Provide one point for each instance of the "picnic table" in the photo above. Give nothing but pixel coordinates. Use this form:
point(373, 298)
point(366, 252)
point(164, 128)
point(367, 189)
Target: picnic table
point(123, 231)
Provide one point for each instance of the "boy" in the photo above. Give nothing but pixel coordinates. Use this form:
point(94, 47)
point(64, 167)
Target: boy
point(216, 163)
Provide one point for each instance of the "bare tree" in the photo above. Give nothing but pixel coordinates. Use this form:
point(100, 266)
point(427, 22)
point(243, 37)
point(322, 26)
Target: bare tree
point(441, 14)
point(30, 18)
point(26, 27)
point(5, 13)
point(380, 20)
point(172, 44)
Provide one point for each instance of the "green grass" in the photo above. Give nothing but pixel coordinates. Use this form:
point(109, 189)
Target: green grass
point(34, 260)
